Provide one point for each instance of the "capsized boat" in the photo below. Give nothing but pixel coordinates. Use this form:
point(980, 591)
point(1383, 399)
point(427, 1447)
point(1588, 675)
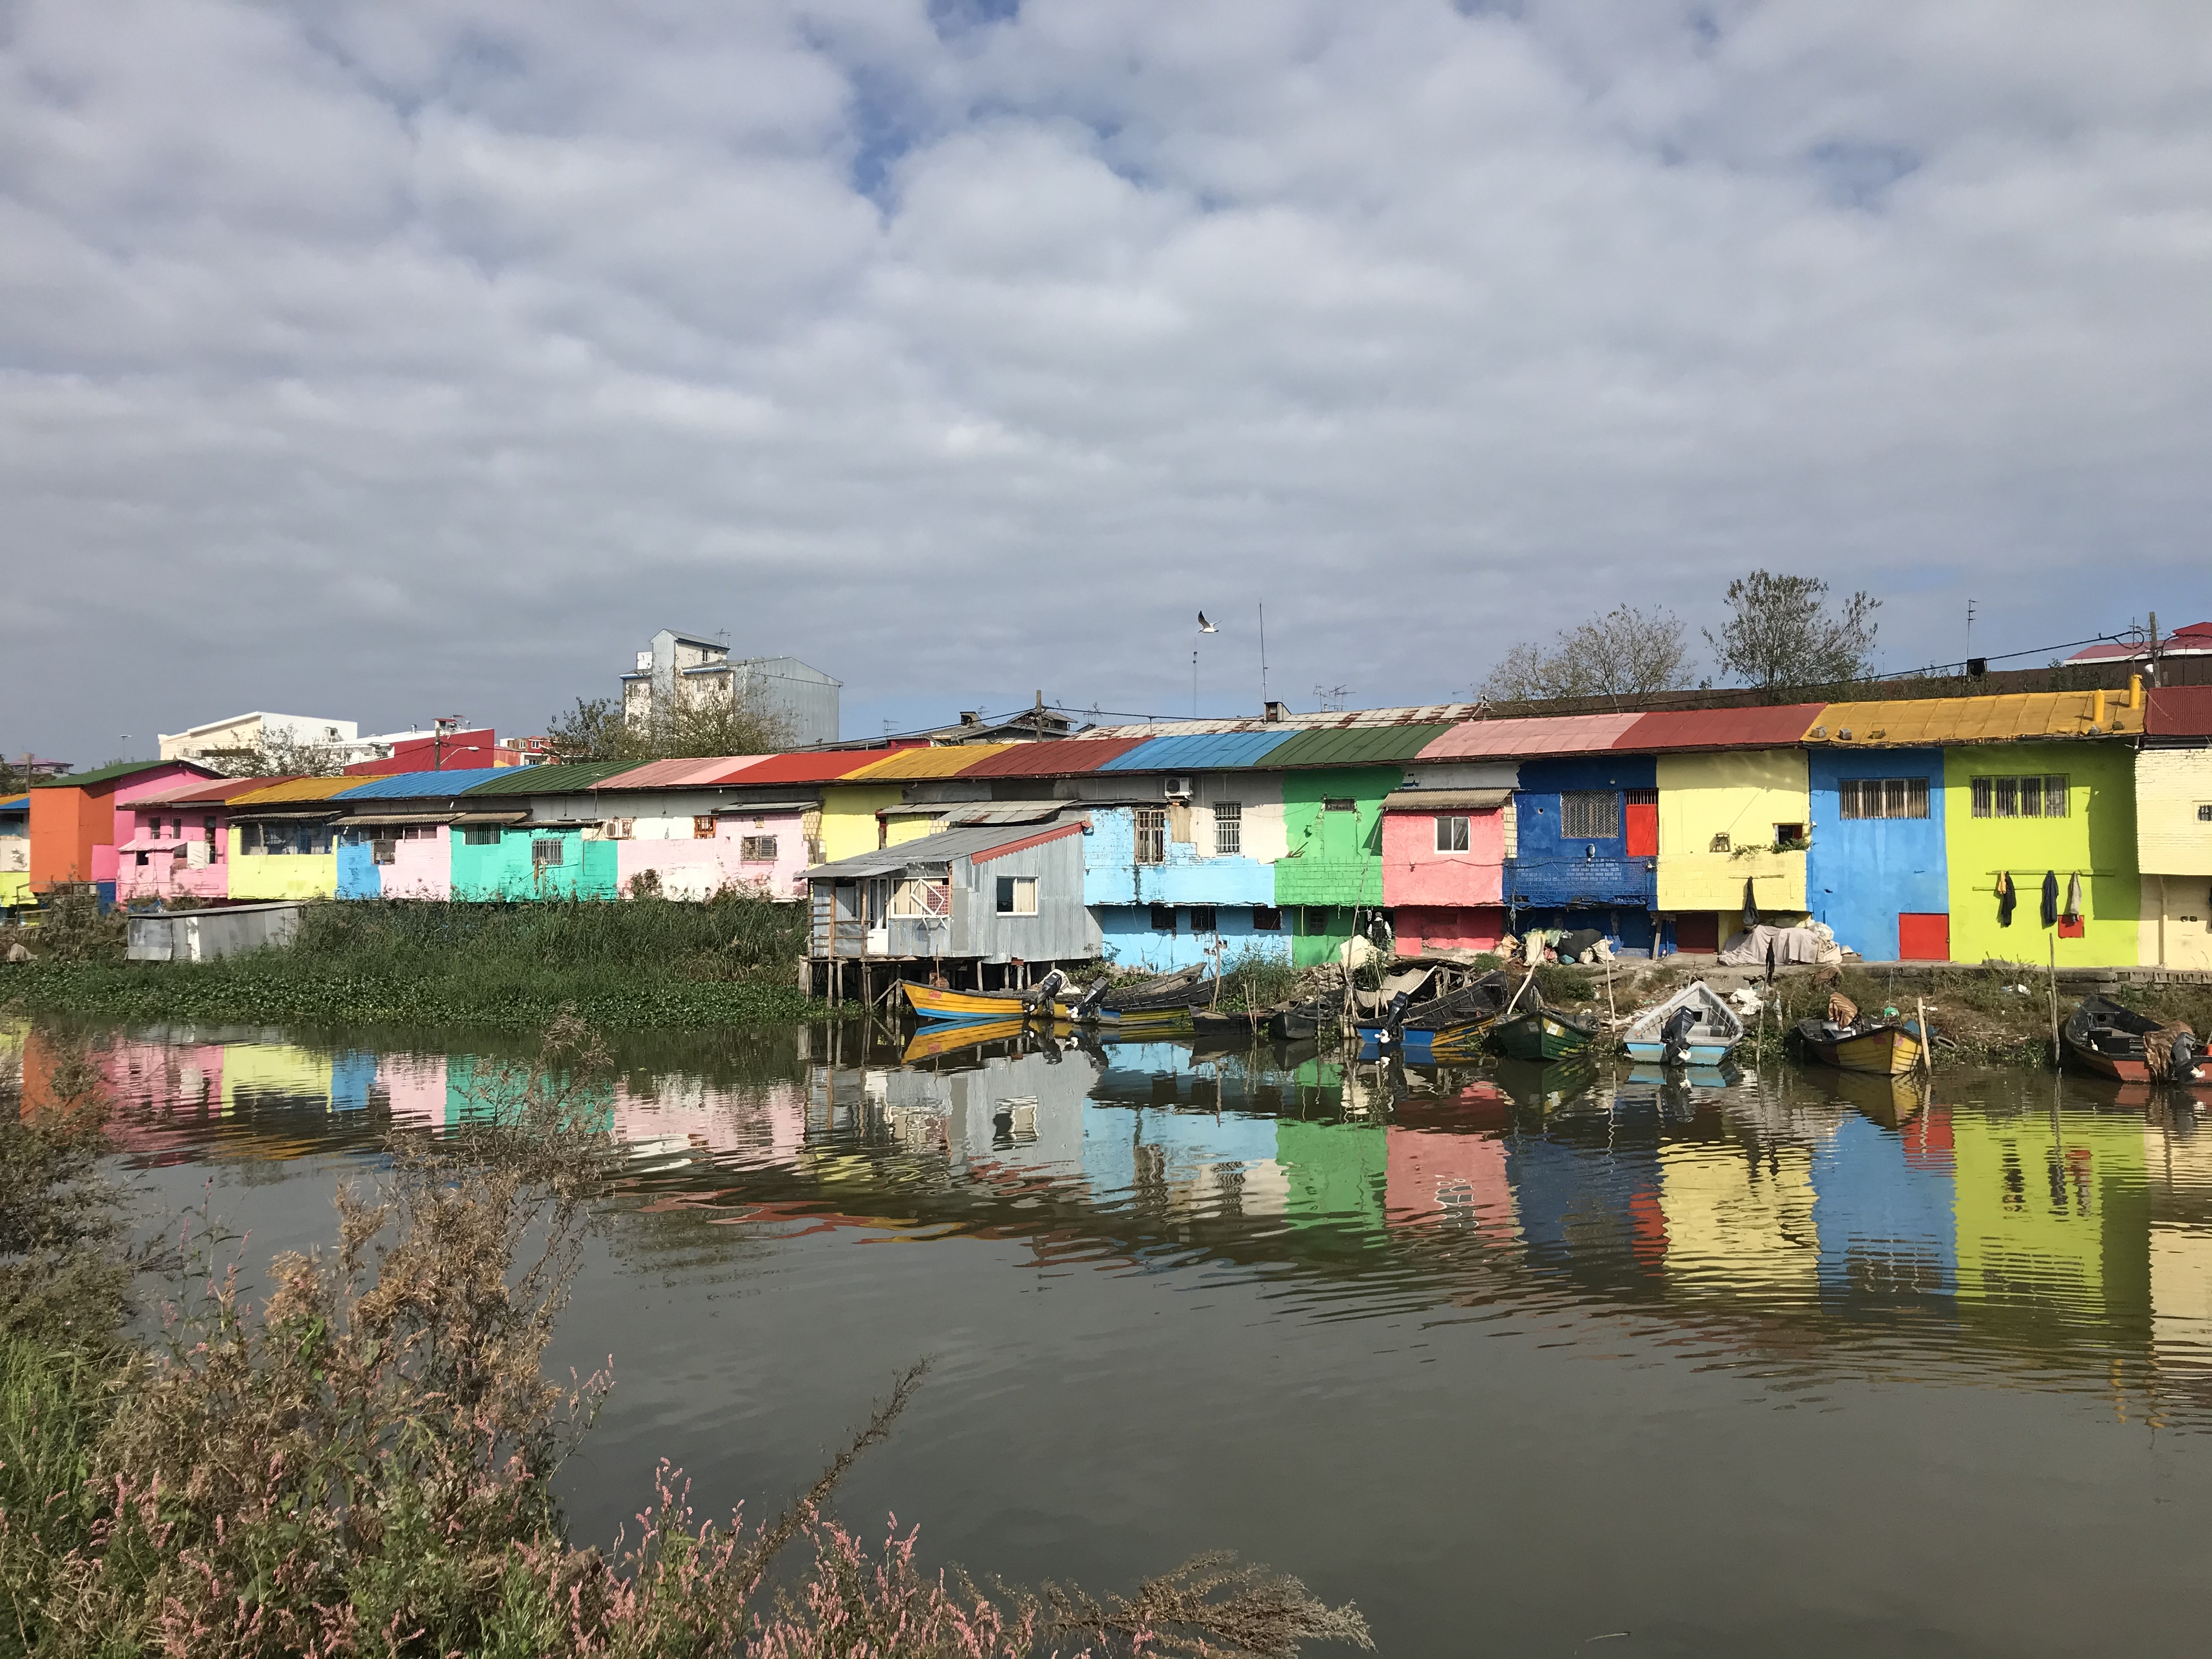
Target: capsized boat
point(1694, 1027)
point(2106, 1039)
point(1541, 1034)
point(1883, 1048)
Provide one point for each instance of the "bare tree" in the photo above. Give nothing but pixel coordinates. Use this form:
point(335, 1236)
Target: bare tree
point(597, 729)
point(1781, 631)
point(1625, 653)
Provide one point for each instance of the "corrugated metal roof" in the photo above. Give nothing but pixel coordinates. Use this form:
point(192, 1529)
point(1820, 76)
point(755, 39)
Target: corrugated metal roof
point(2180, 711)
point(425, 786)
point(692, 773)
point(15, 804)
point(1367, 746)
point(117, 773)
point(821, 766)
point(2032, 714)
point(949, 761)
point(1768, 725)
point(1430, 714)
point(1445, 800)
point(1035, 811)
point(549, 780)
point(1062, 758)
point(297, 789)
point(1200, 752)
point(1540, 734)
point(944, 845)
point(203, 792)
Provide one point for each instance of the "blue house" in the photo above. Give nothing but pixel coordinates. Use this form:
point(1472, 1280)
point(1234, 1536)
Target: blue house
point(1876, 872)
point(1587, 847)
point(1165, 903)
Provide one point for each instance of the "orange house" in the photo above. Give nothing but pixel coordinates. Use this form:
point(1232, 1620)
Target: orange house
point(73, 820)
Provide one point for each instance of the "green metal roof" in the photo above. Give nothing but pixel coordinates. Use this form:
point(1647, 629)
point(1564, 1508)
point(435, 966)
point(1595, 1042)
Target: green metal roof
point(550, 780)
point(1355, 746)
point(118, 770)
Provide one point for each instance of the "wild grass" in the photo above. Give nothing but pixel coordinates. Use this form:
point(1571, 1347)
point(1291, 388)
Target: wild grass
point(630, 965)
point(1255, 978)
point(362, 1462)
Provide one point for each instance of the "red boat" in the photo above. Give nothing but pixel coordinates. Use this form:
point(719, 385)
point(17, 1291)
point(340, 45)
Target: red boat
point(2107, 1039)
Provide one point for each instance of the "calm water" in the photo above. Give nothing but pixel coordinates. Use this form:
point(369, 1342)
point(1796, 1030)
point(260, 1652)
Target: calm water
point(1519, 1360)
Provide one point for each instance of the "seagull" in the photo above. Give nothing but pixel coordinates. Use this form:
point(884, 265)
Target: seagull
point(1206, 627)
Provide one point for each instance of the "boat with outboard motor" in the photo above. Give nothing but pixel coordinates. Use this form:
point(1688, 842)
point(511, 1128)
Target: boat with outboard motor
point(1694, 1027)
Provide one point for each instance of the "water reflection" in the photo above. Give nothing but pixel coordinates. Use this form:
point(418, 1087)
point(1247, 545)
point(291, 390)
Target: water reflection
point(2014, 1226)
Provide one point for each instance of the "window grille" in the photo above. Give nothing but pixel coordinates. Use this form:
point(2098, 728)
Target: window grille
point(548, 852)
point(916, 897)
point(1451, 835)
point(1151, 834)
point(1202, 919)
point(1590, 815)
point(480, 835)
point(702, 827)
point(1643, 797)
point(1164, 918)
point(1018, 896)
point(1265, 919)
point(2205, 811)
point(1886, 798)
point(760, 849)
point(2037, 796)
point(1228, 829)
point(1340, 804)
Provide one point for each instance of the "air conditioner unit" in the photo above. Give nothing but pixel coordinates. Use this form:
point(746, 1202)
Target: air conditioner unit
point(1178, 787)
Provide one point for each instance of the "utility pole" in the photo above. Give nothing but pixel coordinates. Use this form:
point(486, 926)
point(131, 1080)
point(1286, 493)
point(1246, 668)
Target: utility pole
point(2154, 648)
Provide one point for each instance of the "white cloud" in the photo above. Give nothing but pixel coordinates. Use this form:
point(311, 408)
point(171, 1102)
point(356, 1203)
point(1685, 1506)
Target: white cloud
point(363, 358)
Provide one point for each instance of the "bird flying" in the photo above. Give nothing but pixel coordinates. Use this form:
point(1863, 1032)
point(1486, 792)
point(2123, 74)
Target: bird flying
point(1206, 627)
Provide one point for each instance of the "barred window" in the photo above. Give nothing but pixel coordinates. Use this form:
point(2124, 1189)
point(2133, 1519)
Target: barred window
point(1228, 829)
point(1340, 804)
point(1451, 834)
point(1265, 919)
point(547, 852)
point(1163, 918)
point(760, 849)
point(1202, 919)
point(479, 835)
point(1151, 834)
point(2037, 796)
point(1884, 797)
point(1590, 815)
point(703, 826)
point(2205, 811)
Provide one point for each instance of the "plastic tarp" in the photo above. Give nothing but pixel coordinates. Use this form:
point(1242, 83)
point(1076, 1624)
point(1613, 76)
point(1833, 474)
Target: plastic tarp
point(1791, 945)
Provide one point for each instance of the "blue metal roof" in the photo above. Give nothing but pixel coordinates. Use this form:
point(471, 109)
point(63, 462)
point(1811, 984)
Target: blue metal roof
point(1200, 752)
point(18, 803)
point(422, 786)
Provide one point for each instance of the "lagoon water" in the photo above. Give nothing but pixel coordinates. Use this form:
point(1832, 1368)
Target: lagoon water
point(1525, 1361)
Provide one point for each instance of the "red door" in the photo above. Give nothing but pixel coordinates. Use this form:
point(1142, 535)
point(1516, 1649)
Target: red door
point(1642, 823)
point(1698, 931)
point(1924, 937)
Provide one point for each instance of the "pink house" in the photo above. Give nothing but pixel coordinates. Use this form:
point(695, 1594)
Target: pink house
point(1444, 863)
point(694, 857)
point(175, 841)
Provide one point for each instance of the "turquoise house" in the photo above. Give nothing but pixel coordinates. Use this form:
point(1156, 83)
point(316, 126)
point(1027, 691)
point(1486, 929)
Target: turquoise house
point(533, 862)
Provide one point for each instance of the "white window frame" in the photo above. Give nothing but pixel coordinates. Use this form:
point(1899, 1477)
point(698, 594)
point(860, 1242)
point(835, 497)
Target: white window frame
point(1228, 829)
point(1452, 832)
point(1021, 886)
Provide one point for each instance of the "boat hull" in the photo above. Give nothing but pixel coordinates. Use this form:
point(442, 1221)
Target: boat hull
point(1886, 1051)
point(1541, 1036)
point(932, 1003)
point(1699, 1054)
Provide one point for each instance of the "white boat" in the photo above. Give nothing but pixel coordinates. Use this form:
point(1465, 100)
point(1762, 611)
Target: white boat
point(1694, 1027)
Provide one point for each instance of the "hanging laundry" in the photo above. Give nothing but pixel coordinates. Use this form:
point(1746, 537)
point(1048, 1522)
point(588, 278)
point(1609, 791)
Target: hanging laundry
point(2005, 898)
point(1750, 906)
point(2049, 898)
point(2073, 911)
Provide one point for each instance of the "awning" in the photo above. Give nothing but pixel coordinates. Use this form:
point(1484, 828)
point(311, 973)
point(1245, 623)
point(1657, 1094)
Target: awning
point(1022, 812)
point(286, 815)
point(1445, 800)
point(367, 819)
point(489, 818)
point(151, 844)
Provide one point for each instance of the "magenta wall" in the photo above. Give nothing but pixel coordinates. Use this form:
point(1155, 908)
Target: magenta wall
point(163, 875)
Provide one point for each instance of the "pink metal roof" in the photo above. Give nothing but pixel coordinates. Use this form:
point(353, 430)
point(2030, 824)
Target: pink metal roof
point(202, 792)
point(1542, 734)
point(1771, 726)
point(1063, 758)
point(2180, 711)
point(690, 773)
point(2193, 641)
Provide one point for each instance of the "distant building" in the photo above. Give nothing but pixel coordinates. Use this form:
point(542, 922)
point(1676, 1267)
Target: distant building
point(701, 670)
point(2194, 640)
point(242, 735)
point(443, 749)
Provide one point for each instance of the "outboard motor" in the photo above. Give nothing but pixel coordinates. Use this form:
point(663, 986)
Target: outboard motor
point(1040, 994)
point(1674, 1036)
point(1088, 1004)
point(1394, 1018)
point(2183, 1058)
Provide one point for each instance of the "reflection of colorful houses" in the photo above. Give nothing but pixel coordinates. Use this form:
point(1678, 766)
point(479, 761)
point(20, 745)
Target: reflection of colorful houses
point(1181, 1162)
point(274, 1077)
point(1884, 1215)
point(1455, 1177)
point(2179, 1171)
point(1590, 1208)
point(2052, 1222)
point(1740, 1220)
point(763, 1126)
point(1336, 1176)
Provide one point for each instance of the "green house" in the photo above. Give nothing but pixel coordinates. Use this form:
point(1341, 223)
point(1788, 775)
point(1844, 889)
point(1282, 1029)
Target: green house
point(1334, 782)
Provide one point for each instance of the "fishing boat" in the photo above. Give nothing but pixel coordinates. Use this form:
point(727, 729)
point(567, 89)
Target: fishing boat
point(2107, 1039)
point(1541, 1034)
point(1694, 1027)
point(1882, 1047)
point(1457, 1021)
point(945, 1037)
point(1303, 1021)
point(932, 1002)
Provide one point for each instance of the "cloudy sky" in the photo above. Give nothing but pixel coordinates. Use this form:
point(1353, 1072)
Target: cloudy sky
point(382, 359)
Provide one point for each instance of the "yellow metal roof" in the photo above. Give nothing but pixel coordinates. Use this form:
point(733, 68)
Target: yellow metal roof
point(945, 760)
point(296, 789)
point(1937, 720)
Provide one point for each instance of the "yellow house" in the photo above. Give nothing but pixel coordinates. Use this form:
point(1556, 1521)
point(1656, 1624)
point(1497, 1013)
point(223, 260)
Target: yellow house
point(281, 842)
point(2173, 849)
point(1727, 819)
point(857, 813)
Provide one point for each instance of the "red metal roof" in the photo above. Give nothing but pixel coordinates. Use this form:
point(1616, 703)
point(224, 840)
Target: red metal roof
point(1773, 726)
point(2178, 711)
point(824, 766)
point(1542, 734)
point(1064, 757)
point(2193, 641)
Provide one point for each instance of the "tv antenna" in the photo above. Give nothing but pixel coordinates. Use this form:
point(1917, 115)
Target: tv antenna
point(1331, 698)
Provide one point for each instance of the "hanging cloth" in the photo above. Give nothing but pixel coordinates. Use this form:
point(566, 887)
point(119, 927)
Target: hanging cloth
point(2049, 898)
point(2005, 898)
point(2073, 911)
point(1750, 906)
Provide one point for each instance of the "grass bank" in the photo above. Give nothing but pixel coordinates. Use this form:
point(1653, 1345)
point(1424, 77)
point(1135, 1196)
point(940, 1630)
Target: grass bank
point(357, 1456)
point(636, 965)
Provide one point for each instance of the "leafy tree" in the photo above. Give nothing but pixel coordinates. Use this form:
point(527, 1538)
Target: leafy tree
point(597, 729)
point(1625, 653)
point(280, 755)
point(1781, 631)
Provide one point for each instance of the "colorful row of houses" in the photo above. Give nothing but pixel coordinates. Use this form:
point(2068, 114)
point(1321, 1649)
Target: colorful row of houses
point(1927, 829)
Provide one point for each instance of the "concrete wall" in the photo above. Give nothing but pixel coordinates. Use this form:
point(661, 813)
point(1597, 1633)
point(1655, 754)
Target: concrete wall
point(1128, 936)
point(1193, 874)
point(1549, 871)
point(2096, 837)
point(849, 826)
point(280, 875)
point(1743, 794)
point(2176, 922)
point(2173, 786)
point(507, 869)
point(1334, 857)
point(1414, 873)
point(693, 867)
point(1863, 872)
point(203, 870)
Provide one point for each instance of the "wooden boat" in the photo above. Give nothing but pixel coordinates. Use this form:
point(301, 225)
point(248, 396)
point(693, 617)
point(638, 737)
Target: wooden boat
point(1694, 1027)
point(1883, 1048)
point(945, 1037)
point(931, 1003)
point(1228, 1025)
point(1540, 1034)
point(1303, 1021)
point(2107, 1039)
point(1457, 1021)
